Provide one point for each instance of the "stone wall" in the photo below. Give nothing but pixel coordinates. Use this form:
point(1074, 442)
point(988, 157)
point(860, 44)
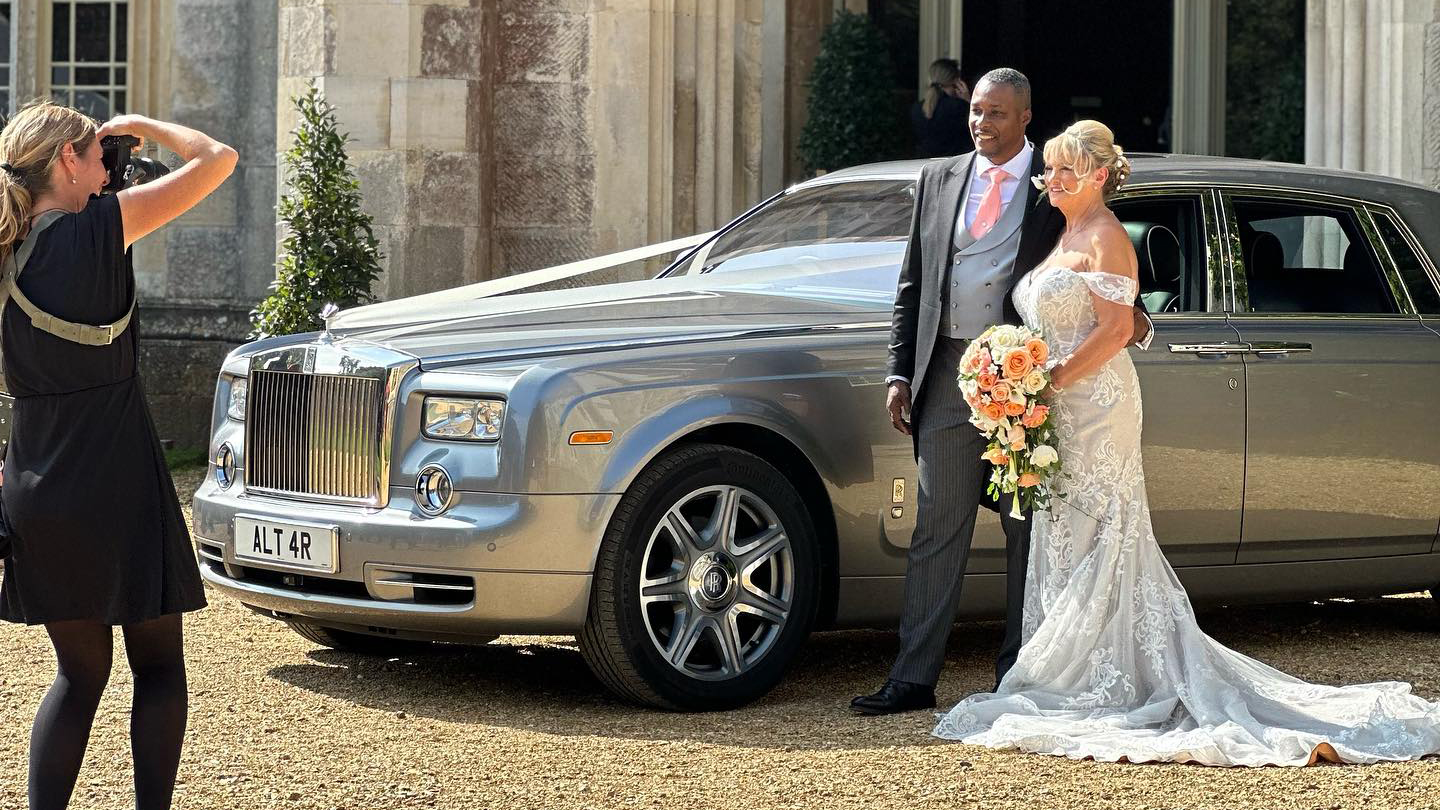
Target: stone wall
point(199, 276)
point(409, 83)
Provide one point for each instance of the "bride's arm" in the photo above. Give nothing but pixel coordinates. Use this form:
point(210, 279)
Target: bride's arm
point(1111, 253)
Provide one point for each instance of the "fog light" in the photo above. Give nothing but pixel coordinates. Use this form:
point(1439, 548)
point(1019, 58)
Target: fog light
point(433, 491)
point(225, 466)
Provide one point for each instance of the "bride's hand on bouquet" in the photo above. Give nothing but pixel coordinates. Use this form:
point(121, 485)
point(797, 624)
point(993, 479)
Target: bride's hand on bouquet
point(1058, 380)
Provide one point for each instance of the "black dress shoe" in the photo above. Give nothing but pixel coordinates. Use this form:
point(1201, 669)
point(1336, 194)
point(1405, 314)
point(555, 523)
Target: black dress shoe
point(895, 696)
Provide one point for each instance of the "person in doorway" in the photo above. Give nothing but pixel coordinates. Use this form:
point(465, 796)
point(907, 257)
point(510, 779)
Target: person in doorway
point(939, 118)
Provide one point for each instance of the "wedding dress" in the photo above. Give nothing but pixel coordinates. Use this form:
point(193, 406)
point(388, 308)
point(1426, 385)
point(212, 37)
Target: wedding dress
point(1114, 665)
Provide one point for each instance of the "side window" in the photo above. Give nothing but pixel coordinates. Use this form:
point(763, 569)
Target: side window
point(829, 222)
point(1168, 235)
point(1412, 270)
point(1303, 257)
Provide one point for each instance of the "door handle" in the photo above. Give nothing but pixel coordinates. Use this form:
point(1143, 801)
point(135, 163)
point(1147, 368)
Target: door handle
point(1278, 348)
point(1208, 349)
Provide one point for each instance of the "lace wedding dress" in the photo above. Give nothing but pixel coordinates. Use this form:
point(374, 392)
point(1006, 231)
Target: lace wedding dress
point(1114, 665)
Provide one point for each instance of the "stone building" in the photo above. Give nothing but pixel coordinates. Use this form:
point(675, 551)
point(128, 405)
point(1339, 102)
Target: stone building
point(497, 136)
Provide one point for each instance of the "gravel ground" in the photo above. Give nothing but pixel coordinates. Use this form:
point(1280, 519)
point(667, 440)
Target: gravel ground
point(276, 722)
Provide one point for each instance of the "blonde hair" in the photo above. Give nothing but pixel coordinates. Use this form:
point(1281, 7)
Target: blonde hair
point(31, 143)
point(1087, 146)
point(943, 72)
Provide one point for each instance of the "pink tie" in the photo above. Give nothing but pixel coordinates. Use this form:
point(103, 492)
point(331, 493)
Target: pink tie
point(989, 204)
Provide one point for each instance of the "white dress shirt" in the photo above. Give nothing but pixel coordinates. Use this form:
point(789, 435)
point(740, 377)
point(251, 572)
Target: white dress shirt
point(1018, 169)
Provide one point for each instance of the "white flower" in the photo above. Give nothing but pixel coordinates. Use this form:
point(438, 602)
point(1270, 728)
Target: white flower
point(969, 388)
point(1005, 337)
point(1044, 456)
point(1034, 382)
point(1017, 396)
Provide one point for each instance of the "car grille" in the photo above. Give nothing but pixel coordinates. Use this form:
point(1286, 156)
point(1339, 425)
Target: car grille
point(313, 434)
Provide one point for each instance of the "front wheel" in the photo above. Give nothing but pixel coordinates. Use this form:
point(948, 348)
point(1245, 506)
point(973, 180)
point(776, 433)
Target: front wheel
point(706, 583)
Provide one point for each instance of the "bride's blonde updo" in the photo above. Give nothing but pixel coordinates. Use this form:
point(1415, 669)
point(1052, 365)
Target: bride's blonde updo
point(1086, 146)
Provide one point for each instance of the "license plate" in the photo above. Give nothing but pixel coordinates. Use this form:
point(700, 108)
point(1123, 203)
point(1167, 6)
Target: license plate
point(307, 546)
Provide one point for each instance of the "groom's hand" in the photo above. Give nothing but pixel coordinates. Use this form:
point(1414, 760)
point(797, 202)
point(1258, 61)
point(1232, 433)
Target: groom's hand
point(897, 402)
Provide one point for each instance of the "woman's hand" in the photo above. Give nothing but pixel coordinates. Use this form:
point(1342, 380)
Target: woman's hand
point(136, 125)
point(1058, 380)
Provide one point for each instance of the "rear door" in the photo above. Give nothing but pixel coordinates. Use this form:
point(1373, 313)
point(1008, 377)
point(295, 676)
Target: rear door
point(1343, 454)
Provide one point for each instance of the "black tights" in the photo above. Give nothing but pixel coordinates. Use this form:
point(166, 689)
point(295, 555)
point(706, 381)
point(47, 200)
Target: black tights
point(157, 717)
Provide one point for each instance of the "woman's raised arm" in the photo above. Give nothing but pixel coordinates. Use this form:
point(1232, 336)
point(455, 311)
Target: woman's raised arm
point(208, 162)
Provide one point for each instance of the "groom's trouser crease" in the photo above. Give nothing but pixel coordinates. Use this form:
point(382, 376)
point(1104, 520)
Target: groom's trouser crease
point(951, 482)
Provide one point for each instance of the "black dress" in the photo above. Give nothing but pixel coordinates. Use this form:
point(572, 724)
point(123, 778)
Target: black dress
point(97, 532)
point(946, 132)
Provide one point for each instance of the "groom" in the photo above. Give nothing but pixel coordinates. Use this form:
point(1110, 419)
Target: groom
point(979, 225)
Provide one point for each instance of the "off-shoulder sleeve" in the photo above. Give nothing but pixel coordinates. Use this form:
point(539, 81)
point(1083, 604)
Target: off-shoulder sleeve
point(1112, 287)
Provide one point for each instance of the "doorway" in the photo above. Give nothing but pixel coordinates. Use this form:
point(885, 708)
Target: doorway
point(1112, 65)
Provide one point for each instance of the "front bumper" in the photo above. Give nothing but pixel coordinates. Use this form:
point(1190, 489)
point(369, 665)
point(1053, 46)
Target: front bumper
point(495, 563)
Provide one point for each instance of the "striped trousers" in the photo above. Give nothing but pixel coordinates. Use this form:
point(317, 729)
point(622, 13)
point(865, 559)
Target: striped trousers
point(953, 479)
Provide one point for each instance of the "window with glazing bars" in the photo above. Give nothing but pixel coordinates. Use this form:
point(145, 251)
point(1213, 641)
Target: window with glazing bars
point(88, 52)
point(6, 71)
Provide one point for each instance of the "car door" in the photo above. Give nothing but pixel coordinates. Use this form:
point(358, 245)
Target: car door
point(1422, 284)
point(1192, 376)
point(1190, 379)
point(1343, 455)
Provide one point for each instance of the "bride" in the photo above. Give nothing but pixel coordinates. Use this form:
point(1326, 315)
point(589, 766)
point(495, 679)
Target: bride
point(1113, 665)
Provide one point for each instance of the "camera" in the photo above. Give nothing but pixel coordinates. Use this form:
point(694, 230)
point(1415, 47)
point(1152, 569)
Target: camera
point(127, 169)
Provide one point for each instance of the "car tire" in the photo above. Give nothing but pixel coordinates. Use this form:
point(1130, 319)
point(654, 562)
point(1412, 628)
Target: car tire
point(724, 611)
point(364, 644)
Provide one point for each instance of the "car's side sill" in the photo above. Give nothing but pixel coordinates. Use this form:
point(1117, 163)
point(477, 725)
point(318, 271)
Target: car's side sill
point(875, 601)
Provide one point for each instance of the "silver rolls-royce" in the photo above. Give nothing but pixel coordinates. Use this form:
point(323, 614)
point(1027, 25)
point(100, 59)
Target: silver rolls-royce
point(692, 472)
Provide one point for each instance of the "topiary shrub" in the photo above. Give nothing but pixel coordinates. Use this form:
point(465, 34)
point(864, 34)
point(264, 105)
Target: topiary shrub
point(329, 254)
point(851, 109)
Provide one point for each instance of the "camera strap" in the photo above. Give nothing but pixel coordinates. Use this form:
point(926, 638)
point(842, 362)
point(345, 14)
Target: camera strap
point(83, 333)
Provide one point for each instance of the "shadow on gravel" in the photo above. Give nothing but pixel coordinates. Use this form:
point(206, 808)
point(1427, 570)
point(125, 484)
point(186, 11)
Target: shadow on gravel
point(544, 686)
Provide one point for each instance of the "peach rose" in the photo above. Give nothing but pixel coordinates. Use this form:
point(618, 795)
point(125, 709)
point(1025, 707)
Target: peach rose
point(986, 380)
point(1015, 409)
point(996, 456)
point(1016, 437)
point(1017, 364)
point(1000, 392)
point(1036, 417)
point(993, 411)
point(1029, 479)
point(1038, 351)
point(972, 364)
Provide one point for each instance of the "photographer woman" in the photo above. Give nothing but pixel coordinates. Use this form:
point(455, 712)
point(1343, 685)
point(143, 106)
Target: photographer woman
point(98, 537)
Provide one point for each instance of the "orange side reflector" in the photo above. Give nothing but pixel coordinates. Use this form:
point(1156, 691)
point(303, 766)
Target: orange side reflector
point(592, 436)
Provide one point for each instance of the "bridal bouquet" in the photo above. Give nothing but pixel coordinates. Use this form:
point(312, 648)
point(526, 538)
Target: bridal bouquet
point(1002, 375)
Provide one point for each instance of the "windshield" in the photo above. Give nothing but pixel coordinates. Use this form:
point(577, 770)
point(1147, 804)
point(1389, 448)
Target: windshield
point(827, 223)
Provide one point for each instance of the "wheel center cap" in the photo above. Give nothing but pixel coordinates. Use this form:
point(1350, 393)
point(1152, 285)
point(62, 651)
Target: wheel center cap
point(712, 580)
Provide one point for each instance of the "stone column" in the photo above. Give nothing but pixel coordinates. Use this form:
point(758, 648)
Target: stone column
point(1198, 71)
point(1372, 87)
point(409, 81)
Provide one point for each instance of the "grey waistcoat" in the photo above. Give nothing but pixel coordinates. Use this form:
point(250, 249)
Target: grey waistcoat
point(978, 276)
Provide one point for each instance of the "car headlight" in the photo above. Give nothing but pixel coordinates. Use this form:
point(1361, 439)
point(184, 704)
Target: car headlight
point(463, 419)
point(239, 387)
